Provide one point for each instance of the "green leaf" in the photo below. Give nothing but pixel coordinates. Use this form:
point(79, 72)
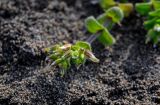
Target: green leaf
point(93, 25)
point(75, 54)
point(78, 61)
point(75, 48)
point(84, 45)
point(143, 8)
point(155, 13)
point(150, 23)
point(127, 8)
point(158, 21)
point(103, 18)
point(57, 61)
point(106, 21)
point(105, 4)
point(152, 36)
point(53, 57)
point(156, 4)
point(80, 58)
point(115, 13)
point(106, 38)
point(52, 48)
point(64, 65)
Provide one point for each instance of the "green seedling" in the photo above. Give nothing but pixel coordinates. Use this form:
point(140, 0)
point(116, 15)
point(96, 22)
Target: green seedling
point(103, 24)
point(126, 7)
point(152, 12)
point(153, 27)
point(64, 55)
point(67, 54)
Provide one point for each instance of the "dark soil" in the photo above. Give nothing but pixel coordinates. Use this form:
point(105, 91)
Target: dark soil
point(128, 73)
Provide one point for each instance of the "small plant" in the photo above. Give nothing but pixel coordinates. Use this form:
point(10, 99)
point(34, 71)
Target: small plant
point(101, 26)
point(126, 7)
point(152, 12)
point(64, 55)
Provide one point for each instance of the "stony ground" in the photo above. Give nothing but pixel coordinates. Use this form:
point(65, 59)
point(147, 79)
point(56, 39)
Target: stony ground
point(128, 73)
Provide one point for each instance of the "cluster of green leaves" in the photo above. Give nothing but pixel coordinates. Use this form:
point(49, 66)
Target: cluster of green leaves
point(126, 7)
point(103, 24)
point(152, 12)
point(67, 54)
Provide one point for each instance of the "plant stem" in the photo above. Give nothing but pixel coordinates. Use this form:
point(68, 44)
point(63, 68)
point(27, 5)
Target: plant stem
point(93, 37)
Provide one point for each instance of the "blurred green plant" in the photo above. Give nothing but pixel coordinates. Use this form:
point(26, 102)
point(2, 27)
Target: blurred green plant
point(64, 55)
point(152, 12)
point(145, 7)
point(126, 7)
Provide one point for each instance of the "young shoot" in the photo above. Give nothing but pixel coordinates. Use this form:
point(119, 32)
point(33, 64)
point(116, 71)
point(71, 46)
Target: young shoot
point(67, 54)
point(63, 55)
point(152, 12)
point(126, 7)
point(100, 27)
